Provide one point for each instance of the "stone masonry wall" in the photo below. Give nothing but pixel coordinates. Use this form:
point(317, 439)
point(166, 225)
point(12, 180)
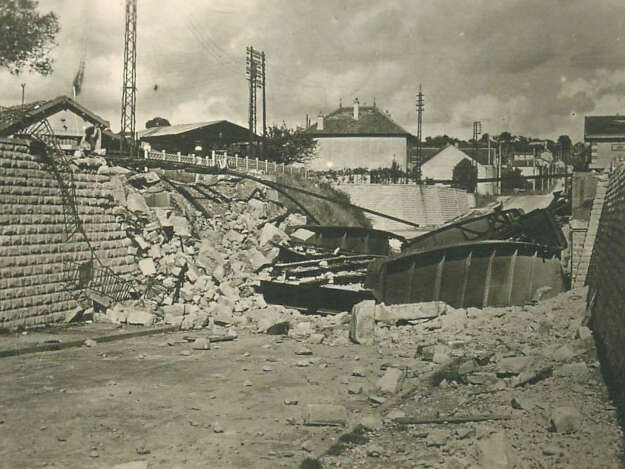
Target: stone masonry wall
point(33, 251)
point(425, 205)
point(606, 278)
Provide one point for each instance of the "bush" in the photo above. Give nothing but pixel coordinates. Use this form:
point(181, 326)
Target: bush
point(465, 176)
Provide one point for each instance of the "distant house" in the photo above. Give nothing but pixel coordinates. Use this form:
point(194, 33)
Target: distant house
point(606, 135)
point(200, 138)
point(68, 121)
point(440, 166)
point(359, 137)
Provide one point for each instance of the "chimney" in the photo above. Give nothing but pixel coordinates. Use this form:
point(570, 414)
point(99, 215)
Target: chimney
point(320, 122)
point(356, 109)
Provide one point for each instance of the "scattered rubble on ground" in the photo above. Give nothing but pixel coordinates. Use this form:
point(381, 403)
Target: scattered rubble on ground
point(485, 388)
point(517, 386)
point(197, 272)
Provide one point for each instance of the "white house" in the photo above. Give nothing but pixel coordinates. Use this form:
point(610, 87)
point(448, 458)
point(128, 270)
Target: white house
point(441, 167)
point(359, 137)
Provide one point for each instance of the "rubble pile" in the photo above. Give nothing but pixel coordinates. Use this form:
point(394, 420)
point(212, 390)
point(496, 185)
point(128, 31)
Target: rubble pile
point(195, 271)
point(495, 387)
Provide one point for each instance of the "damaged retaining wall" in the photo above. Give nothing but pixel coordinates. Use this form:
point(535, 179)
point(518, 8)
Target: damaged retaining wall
point(425, 205)
point(33, 251)
point(606, 278)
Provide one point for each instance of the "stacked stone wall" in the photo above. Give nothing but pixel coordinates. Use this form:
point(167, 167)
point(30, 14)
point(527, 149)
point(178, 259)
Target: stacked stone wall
point(35, 255)
point(606, 279)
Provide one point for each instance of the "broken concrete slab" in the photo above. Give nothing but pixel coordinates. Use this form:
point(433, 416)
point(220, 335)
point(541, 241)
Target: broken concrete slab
point(136, 203)
point(73, 315)
point(302, 330)
point(578, 372)
point(495, 452)
point(512, 366)
point(256, 258)
point(202, 343)
point(325, 415)
point(565, 419)
point(302, 235)
point(271, 233)
point(436, 438)
point(147, 267)
point(137, 317)
point(391, 381)
point(181, 226)
point(409, 312)
point(362, 325)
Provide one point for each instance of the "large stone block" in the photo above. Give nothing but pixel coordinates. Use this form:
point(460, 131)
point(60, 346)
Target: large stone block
point(362, 324)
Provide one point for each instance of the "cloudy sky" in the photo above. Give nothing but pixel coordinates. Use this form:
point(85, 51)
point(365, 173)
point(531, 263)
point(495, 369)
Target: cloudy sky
point(531, 67)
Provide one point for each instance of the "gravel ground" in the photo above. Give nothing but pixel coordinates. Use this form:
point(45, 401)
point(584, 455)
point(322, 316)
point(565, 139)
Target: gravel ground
point(161, 403)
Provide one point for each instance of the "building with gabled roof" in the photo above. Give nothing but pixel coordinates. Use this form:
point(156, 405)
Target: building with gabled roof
point(359, 137)
point(606, 135)
point(440, 166)
point(68, 120)
point(199, 138)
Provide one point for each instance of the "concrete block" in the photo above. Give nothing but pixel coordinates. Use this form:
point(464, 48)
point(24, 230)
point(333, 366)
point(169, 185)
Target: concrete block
point(390, 382)
point(495, 452)
point(362, 324)
point(147, 267)
point(565, 419)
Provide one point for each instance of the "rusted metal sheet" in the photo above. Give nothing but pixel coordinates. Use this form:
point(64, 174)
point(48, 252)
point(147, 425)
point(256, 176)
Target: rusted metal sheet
point(486, 273)
point(494, 225)
point(351, 238)
point(537, 226)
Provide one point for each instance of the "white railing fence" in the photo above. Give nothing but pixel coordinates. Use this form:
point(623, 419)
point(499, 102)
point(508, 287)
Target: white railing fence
point(221, 159)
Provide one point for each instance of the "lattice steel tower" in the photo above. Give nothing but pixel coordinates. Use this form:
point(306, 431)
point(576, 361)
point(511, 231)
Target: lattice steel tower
point(256, 74)
point(129, 90)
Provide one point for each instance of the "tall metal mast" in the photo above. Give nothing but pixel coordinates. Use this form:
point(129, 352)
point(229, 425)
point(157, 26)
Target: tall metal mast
point(129, 90)
point(256, 75)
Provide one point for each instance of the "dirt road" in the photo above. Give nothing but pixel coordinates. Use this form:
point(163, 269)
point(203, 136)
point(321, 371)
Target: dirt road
point(143, 400)
point(242, 403)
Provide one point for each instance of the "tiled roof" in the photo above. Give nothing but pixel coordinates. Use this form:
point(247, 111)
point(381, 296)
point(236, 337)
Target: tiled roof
point(370, 122)
point(16, 118)
point(607, 126)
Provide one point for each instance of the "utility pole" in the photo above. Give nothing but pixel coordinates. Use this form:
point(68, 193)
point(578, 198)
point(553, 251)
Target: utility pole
point(23, 86)
point(256, 73)
point(499, 170)
point(477, 130)
point(264, 85)
point(419, 159)
point(129, 90)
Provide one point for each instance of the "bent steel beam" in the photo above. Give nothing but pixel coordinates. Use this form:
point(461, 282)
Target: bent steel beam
point(351, 238)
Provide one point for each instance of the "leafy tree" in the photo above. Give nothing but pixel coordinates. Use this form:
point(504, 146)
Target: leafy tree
point(464, 175)
point(26, 37)
point(511, 178)
point(504, 137)
point(157, 122)
point(441, 140)
point(284, 145)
